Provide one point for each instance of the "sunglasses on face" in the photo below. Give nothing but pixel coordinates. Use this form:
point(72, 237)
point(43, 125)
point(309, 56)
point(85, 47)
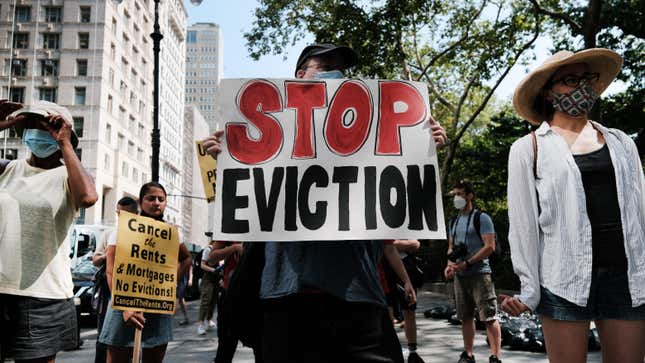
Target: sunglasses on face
point(575, 80)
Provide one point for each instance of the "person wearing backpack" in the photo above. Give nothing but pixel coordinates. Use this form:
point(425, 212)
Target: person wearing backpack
point(469, 246)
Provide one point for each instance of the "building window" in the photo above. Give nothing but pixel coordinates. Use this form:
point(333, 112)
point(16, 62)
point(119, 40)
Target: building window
point(17, 94)
point(81, 67)
point(124, 169)
point(49, 67)
point(23, 13)
point(51, 40)
point(78, 126)
point(83, 40)
point(130, 148)
point(48, 94)
point(109, 103)
point(85, 14)
point(108, 134)
point(139, 154)
point(120, 142)
point(113, 51)
point(111, 77)
point(21, 40)
point(114, 26)
point(135, 175)
point(53, 14)
point(192, 37)
point(106, 162)
point(18, 67)
point(79, 95)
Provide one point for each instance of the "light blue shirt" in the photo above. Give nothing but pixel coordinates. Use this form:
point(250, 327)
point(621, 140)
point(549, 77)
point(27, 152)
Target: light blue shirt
point(552, 248)
point(463, 231)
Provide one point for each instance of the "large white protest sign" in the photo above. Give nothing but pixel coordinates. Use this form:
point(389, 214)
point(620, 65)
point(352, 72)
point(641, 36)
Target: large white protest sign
point(326, 160)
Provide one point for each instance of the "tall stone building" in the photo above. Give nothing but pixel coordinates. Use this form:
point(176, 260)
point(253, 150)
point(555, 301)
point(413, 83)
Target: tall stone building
point(95, 57)
point(204, 69)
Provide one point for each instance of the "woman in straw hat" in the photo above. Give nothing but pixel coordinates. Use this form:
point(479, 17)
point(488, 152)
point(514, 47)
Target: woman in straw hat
point(576, 198)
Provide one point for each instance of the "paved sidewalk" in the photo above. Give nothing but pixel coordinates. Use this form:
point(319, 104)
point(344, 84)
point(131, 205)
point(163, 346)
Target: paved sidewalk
point(439, 342)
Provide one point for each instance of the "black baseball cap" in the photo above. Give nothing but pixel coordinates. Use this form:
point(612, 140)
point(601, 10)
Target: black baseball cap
point(350, 57)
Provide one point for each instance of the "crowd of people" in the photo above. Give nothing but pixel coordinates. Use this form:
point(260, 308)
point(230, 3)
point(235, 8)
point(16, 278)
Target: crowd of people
point(576, 200)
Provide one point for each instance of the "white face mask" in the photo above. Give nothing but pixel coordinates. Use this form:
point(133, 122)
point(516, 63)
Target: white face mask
point(459, 202)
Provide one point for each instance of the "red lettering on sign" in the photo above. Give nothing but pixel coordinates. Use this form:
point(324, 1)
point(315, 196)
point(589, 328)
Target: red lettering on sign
point(412, 112)
point(349, 118)
point(255, 101)
point(304, 97)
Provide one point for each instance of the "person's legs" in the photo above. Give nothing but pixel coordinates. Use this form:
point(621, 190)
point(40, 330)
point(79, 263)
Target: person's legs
point(483, 291)
point(465, 305)
point(100, 355)
point(182, 306)
point(226, 341)
point(206, 290)
point(566, 341)
point(468, 333)
point(622, 340)
point(119, 354)
point(494, 333)
point(154, 355)
point(410, 327)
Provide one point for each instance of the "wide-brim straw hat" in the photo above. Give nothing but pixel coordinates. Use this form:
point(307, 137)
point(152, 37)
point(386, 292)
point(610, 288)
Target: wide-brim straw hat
point(605, 62)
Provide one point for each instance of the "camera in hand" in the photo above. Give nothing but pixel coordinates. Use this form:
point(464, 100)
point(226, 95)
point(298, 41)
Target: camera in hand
point(458, 252)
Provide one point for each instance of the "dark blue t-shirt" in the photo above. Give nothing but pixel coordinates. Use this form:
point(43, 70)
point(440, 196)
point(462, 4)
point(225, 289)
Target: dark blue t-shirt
point(344, 269)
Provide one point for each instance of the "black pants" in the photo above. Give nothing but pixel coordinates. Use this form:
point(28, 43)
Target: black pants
point(318, 328)
point(226, 339)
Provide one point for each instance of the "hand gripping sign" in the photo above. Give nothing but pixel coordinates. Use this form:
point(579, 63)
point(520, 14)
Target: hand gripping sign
point(145, 265)
point(207, 166)
point(332, 160)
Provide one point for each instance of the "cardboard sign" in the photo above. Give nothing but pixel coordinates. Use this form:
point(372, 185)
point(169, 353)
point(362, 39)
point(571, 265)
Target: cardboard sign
point(346, 159)
point(145, 265)
point(208, 167)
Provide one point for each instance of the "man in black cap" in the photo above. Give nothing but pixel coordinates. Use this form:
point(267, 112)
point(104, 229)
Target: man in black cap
point(322, 300)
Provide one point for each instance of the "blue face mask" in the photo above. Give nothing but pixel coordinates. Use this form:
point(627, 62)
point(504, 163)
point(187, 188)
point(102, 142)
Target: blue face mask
point(40, 142)
point(336, 74)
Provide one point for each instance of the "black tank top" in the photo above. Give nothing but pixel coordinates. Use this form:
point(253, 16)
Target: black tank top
point(599, 181)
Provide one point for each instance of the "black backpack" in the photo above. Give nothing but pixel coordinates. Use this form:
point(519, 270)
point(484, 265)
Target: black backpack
point(198, 273)
point(478, 226)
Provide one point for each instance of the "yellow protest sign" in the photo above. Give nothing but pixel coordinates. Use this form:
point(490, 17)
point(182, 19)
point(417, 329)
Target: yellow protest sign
point(208, 165)
point(145, 265)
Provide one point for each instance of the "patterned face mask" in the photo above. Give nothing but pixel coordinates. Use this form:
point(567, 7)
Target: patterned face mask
point(577, 102)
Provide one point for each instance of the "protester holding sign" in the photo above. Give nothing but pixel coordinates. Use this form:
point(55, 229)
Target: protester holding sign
point(119, 326)
point(39, 198)
point(321, 300)
point(102, 295)
point(576, 205)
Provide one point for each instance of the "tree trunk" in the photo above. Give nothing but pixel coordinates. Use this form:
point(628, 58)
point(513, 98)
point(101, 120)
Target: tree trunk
point(591, 23)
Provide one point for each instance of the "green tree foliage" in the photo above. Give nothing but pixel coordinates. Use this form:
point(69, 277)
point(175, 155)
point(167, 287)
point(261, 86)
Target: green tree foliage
point(462, 49)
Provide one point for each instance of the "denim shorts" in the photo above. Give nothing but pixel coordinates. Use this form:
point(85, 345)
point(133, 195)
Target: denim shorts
point(609, 298)
point(157, 330)
point(32, 328)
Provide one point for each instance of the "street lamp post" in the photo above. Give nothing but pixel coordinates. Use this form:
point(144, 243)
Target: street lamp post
point(156, 48)
point(156, 136)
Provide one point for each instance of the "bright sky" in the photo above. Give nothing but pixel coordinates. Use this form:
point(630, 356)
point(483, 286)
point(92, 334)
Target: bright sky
point(236, 19)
